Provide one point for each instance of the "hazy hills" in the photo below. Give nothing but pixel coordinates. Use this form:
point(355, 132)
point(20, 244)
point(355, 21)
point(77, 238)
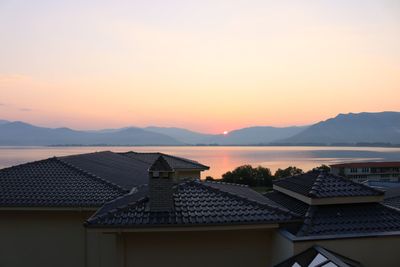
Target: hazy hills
point(184, 135)
point(382, 127)
point(344, 129)
point(20, 134)
point(258, 135)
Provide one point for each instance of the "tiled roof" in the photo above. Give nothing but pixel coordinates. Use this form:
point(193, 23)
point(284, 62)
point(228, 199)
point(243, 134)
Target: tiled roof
point(349, 219)
point(173, 161)
point(75, 181)
point(318, 256)
point(316, 184)
point(195, 203)
point(392, 192)
point(393, 202)
point(113, 167)
point(240, 190)
point(53, 183)
point(376, 164)
point(287, 202)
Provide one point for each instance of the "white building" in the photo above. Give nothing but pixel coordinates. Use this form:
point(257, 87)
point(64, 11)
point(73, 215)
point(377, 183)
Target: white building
point(362, 171)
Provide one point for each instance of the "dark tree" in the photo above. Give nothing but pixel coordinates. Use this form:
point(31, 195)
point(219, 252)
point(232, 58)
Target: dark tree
point(323, 167)
point(209, 178)
point(248, 175)
point(289, 171)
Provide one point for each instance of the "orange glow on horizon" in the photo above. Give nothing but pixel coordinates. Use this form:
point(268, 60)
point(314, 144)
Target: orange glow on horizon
point(269, 63)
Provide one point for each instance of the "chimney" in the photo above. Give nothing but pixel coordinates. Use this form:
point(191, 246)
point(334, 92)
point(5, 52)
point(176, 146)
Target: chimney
point(161, 186)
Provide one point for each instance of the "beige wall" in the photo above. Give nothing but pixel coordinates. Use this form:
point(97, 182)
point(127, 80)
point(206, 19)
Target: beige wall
point(42, 238)
point(211, 248)
point(50, 238)
point(282, 248)
point(53, 238)
point(101, 249)
point(371, 252)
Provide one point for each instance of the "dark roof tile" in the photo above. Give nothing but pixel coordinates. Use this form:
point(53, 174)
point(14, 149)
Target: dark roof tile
point(393, 202)
point(52, 183)
point(349, 219)
point(287, 202)
point(113, 167)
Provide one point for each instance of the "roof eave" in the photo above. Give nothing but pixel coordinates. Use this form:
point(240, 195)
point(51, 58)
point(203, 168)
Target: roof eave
point(49, 208)
point(181, 228)
point(294, 238)
point(329, 200)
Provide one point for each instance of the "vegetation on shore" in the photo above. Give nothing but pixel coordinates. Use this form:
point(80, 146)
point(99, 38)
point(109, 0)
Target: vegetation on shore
point(260, 178)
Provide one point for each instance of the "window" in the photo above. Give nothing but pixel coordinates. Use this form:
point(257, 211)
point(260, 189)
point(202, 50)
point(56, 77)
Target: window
point(365, 170)
point(353, 169)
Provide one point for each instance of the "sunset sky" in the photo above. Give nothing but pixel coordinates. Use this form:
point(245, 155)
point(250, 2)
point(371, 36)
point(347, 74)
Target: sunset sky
point(210, 66)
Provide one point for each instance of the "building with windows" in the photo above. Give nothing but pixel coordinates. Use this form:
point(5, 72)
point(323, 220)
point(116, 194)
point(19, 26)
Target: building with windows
point(375, 171)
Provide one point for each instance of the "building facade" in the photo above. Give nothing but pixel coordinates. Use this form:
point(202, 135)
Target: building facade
point(363, 171)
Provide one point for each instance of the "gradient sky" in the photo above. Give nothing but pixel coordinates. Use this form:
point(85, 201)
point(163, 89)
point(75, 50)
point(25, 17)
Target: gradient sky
point(205, 65)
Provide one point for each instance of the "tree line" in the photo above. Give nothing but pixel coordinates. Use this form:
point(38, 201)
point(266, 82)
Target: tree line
point(260, 176)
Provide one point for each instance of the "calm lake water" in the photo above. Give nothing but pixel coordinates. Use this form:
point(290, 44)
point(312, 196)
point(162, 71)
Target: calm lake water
point(221, 159)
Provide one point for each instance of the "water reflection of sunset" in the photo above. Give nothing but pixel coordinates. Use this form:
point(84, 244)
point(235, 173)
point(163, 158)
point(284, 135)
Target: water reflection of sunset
point(222, 159)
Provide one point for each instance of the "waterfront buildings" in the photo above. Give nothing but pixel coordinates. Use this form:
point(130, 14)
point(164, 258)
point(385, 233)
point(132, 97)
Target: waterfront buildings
point(362, 171)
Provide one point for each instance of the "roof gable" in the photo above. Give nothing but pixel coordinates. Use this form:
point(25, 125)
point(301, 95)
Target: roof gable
point(160, 165)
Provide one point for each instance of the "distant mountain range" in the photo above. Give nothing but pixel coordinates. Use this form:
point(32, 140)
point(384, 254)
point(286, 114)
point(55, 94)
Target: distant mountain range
point(360, 128)
point(345, 129)
point(23, 134)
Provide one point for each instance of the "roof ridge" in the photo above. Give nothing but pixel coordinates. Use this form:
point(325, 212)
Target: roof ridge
point(277, 208)
point(91, 175)
point(108, 213)
point(316, 186)
point(125, 155)
point(234, 184)
point(389, 207)
point(307, 222)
